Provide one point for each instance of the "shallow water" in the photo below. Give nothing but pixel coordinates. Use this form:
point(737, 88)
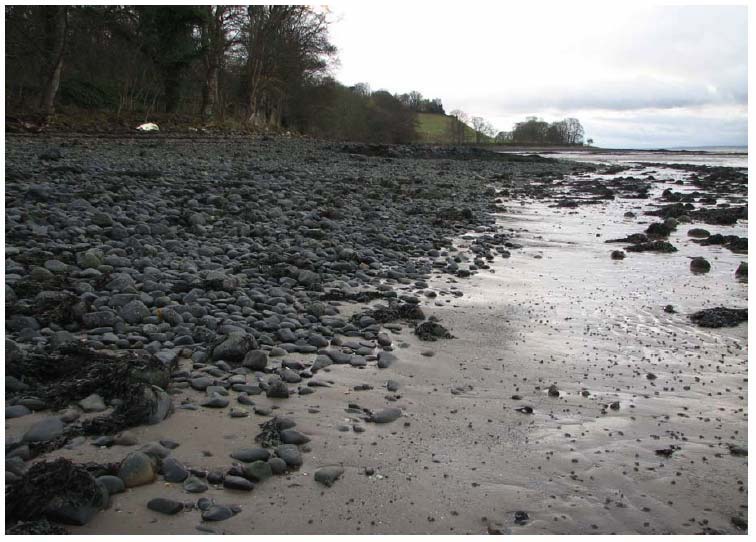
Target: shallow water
point(586, 322)
point(733, 158)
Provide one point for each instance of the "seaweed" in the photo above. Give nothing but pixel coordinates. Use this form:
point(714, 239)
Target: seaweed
point(51, 307)
point(392, 312)
point(360, 297)
point(59, 490)
point(36, 527)
point(432, 331)
point(270, 436)
point(75, 372)
point(652, 246)
point(719, 317)
point(29, 287)
point(67, 376)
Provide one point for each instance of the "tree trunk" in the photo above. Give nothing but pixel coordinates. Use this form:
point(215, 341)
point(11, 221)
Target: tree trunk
point(171, 88)
point(214, 41)
point(210, 93)
point(56, 24)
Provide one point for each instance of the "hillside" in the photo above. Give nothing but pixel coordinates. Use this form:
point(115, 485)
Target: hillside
point(435, 128)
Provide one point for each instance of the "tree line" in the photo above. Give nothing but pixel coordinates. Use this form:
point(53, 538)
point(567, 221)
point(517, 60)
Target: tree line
point(463, 128)
point(262, 67)
point(417, 103)
point(535, 131)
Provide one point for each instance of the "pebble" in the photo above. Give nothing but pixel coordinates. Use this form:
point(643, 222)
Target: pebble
point(258, 471)
point(165, 506)
point(277, 389)
point(277, 465)
point(195, 485)
point(201, 383)
point(113, 484)
point(238, 413)
point(290, 436)
point(217, 513)
point(700, 265)
point(290, 454)
point(173, 470)
point(386, 415)
point(156, 450)
point(237, 482)
point(386, 359)
point(248, 455)
point(215, 401)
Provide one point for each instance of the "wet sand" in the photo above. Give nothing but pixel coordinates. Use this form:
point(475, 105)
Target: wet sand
point(462, 459)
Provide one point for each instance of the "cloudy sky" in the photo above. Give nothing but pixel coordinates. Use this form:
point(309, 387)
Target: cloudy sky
point(635, 76)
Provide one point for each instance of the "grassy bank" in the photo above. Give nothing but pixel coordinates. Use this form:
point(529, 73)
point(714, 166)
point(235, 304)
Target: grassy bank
point(435, 128)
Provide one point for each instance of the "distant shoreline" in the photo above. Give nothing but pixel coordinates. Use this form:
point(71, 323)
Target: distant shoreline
point(187, 132)
point(601, 150)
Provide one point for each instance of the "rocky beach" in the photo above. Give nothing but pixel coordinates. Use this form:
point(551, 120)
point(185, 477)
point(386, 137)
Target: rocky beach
point(269, 335)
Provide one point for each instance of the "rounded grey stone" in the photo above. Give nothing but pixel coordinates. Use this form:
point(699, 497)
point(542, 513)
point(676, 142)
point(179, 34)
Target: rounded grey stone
point(249, 455)
point(113, 484)
point(258, 471)
point(44, 430)
point(277, 465)
point(290, 436)
point(137, 469)
point(290, 454)
point(165, 506)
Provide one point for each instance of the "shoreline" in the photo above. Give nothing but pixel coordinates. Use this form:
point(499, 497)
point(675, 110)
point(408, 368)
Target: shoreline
point(211, 134)
point(459, 459)
point(602, 151)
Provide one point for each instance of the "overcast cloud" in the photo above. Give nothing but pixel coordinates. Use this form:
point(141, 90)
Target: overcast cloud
point(634, 76)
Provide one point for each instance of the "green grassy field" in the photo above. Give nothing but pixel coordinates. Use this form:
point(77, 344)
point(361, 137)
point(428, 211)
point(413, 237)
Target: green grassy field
point(434, 128)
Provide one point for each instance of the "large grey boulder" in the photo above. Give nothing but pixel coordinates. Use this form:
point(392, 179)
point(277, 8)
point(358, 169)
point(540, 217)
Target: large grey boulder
point(234, 347)
point(44, 430)
point(134, 312)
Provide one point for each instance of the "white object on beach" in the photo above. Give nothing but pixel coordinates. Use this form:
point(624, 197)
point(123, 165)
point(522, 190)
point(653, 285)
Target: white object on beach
point(148, 127)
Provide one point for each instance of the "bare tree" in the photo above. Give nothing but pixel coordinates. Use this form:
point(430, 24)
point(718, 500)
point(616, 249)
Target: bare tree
point(415, 99)
point(55, 27)
point(478, 124)
point(575, 131)
point(488, 129)
point(285, 46)
point(362, 89)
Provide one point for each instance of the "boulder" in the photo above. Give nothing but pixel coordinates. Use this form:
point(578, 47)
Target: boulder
point(137, 469)
point(234, 348)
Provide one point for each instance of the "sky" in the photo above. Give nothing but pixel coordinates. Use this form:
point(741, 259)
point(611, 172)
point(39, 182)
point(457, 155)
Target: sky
point(635, 76)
